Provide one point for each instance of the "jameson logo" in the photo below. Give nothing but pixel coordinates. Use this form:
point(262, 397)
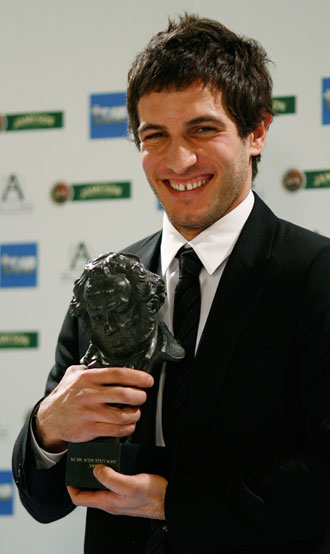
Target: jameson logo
point(284, 105)
point(19, 340)
point(61, 192)
point(101, 191)
point(34, 120)
point(294, 179)
point(317, 179)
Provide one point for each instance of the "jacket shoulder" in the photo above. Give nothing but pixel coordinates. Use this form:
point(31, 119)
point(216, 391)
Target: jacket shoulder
point(148, 242)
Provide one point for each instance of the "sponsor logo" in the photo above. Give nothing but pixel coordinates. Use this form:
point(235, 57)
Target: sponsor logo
point(19, 339)
point(109, 190)
point(31, 121)
point(326, 101)
point(6, 493)
point(61, 192)
point(284, 105)
point(293, 179)
point(78, 256)
point(19, 264)
point(12, 197)
point(317, 179)
point(108, 115)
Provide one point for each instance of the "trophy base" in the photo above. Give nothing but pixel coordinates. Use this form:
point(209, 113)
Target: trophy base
point(126, 458)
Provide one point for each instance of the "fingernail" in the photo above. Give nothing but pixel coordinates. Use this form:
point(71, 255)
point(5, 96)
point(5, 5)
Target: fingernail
point(97, 471)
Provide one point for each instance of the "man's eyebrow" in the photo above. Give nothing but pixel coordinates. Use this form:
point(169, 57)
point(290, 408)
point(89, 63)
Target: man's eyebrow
point(204, 119)
point(150, 127)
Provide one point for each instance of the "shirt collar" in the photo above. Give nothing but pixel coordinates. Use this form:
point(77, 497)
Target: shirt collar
point(214, 244)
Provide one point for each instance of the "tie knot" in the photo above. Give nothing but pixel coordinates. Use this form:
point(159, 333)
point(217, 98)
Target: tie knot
point(189, 262)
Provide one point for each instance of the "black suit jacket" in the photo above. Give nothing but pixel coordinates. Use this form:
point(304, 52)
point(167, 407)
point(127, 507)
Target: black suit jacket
point(254, 469)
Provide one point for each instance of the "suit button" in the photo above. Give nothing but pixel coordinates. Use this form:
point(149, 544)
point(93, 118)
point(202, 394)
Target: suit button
point(20, 475)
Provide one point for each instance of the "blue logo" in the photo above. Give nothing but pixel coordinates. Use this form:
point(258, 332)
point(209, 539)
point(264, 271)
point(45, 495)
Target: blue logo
point(19, 264)
point(326, 101)
point(6, 493)
point(108, 115)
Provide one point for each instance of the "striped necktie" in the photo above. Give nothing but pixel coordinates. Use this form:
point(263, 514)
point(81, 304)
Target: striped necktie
point(187, 302)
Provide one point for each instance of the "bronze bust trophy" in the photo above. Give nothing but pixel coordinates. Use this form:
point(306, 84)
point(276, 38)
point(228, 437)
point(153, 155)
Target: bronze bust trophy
point(117, 300)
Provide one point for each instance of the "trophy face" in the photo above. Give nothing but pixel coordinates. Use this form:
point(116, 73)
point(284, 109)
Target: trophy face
point(114, 319)
point(117, 300)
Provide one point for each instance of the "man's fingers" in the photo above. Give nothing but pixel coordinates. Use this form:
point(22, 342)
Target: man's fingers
point(119, 416)
point(114, 395)
point(92, 499)
point(119, 376)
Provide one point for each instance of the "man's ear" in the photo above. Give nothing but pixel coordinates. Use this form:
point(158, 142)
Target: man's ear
point(258, 136)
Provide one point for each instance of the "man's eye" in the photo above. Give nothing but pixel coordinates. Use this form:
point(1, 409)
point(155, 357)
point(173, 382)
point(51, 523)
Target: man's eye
point(205, 130)
point(152, 137)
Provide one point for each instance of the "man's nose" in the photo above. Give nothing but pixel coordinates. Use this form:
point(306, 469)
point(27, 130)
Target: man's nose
point(180, 156)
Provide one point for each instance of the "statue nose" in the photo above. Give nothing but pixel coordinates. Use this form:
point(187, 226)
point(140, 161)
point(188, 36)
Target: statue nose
point(110, 325)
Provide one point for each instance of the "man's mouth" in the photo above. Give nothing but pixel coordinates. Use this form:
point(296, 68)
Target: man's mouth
point(188, 185)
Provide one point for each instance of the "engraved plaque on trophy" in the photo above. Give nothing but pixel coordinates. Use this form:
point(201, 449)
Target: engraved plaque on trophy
point(117, 300)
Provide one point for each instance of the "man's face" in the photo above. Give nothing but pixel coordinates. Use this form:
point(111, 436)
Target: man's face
point(193, 157)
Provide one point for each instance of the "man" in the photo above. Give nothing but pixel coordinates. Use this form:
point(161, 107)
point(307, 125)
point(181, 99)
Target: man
point(251, 471)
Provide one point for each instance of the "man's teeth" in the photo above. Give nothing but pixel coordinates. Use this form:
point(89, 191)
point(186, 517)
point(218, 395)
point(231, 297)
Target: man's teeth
point(188, 186)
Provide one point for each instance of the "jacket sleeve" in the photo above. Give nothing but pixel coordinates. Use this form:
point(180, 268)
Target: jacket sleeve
point(43, 491)
point(287, 500)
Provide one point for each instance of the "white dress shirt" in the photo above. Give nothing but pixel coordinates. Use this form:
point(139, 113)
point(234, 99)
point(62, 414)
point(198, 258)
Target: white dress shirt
point(213, 247)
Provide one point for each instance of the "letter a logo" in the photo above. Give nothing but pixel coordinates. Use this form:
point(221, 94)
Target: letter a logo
point(12, 187)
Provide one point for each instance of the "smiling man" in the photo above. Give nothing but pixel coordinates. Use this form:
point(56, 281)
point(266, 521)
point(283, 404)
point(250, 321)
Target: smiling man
point(245, 418)
point(193, 157)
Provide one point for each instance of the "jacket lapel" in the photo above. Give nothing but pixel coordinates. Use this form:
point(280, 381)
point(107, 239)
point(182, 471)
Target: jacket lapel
point(148, 250)
point(239, 292)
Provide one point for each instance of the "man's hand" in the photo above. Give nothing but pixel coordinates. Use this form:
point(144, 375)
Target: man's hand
point(78, 410)
point(139, 495)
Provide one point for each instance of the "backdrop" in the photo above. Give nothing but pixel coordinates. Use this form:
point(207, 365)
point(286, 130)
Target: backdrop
point(71, 186)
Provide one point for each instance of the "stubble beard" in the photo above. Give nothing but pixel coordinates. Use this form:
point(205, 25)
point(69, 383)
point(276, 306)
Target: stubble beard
point(226, 197)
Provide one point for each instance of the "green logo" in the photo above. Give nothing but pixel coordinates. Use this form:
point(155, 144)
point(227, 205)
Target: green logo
point(101, 191)
point(30, 121)
point(19, 340)
point(284, 105)
point(112, 190)
point(318, 179)
point(294, 179)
